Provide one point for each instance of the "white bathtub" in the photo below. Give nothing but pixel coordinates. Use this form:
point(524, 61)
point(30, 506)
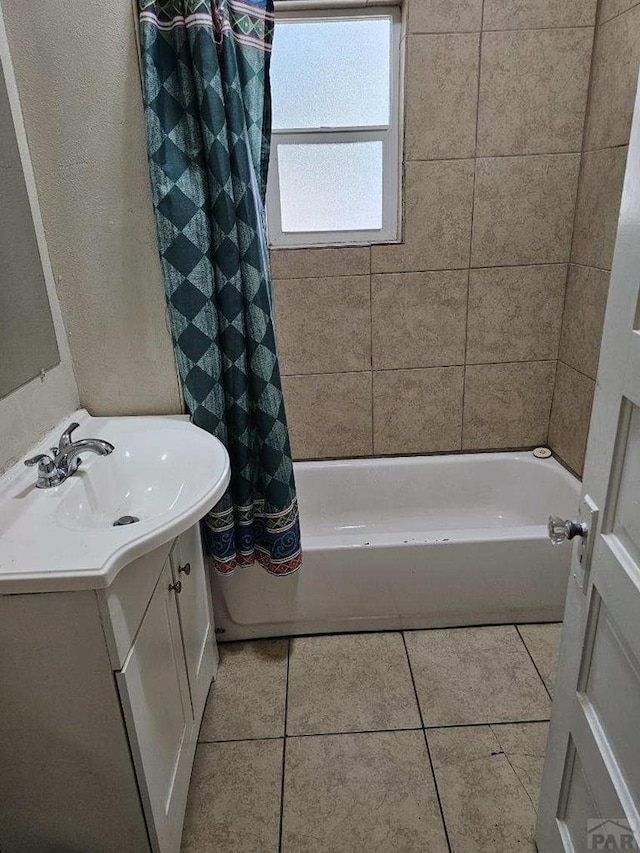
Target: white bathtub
point(413, 542)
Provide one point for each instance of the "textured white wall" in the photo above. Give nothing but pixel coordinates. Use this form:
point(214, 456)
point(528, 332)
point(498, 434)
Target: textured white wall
point(76, 67)
point(34, 408)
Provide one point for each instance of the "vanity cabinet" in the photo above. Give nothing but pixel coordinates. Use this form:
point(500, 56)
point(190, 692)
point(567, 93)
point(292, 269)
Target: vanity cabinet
point(103, 693)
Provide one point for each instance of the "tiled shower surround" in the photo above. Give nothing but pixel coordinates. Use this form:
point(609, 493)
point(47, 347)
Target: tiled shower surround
point(455, 339)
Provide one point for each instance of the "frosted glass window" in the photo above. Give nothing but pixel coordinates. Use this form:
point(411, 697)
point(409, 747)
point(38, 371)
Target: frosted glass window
point(334, 169)
point(328, 73)
point(330, 187)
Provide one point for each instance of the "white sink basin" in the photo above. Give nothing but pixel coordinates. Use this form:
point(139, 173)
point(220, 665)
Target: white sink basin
point(164, 471)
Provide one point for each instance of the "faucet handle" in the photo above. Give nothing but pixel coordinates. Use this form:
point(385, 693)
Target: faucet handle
point(65, 438)
point(48, 472)
point(44, 462)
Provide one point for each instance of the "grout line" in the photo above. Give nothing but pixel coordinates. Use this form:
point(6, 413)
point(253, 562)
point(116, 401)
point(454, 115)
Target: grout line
point(589, 267)
point(379, 731)
point(535, 665)
point(572, 153)
point(505, 30)
point(582, 373)
point(487, 723)
point(605, 148)
point(396, 630)
point(473, 211)
point(619, 15)
point(355, 731)
point(429, 270)
point(418, 367)
point(284, 745)
point(587, 112)
point(241, 739)
point(424, 733)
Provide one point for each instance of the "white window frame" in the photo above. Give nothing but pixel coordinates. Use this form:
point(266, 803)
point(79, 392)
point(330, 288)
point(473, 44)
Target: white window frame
point(390, 136)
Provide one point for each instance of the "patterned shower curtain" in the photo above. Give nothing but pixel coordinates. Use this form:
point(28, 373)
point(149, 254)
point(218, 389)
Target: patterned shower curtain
point(205, 72)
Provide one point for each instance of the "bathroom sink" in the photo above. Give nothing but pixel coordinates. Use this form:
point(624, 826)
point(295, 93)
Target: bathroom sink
point(162, 477)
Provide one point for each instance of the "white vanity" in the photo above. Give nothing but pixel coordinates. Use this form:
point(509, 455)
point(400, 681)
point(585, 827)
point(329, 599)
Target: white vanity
point(107, 641)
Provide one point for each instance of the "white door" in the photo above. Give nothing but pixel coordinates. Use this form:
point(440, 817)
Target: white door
point(155, 699)
point(196, 618)
point(590, 797)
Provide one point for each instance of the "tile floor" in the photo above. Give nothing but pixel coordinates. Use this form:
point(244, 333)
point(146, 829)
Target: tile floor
point(423, 741)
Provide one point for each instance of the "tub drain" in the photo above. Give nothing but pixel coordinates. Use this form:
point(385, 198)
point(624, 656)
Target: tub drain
point(124, 520)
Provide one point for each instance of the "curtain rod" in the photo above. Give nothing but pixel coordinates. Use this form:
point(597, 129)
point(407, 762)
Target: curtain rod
point(327, 5)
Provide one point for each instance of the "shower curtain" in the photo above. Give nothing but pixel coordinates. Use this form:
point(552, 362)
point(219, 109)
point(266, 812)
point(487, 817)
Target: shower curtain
point(205, 75)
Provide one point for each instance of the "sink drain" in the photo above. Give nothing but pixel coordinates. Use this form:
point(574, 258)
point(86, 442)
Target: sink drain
point(125, 519)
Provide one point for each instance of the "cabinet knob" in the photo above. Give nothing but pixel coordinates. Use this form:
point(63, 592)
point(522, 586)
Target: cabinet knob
point(186, 569)
point(176, 587)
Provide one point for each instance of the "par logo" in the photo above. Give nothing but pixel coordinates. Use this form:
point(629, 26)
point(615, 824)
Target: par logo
point(610, 835)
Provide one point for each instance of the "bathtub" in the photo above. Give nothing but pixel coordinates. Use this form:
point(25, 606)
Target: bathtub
point(413, 542)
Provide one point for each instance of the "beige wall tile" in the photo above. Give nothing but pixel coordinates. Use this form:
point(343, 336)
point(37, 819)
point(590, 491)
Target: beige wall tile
point(329, 415)
point(524, 14)
point(319, 263)
point(583, 320)
point(524, 208)
point(507, 405)
point(360, 793)
point(533, 91)
point(441, 96)
point(445, 16)
point(323, 324)
point(610, 8)
point(598, 207)
point(247, 699)
point(515, 313)
point(475, 675)
point(486, 788)
point(88, 147)
point(350, 683)
point(571, 416)
point(613, 81)
point(437, 214)
point(417, 411)
point(419, 319)
point(234, 798)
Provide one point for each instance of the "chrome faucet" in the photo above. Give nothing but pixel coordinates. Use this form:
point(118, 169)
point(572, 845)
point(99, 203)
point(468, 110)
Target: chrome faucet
point(65, 458)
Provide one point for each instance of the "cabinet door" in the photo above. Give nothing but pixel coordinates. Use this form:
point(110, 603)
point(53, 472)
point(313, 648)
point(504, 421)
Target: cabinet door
point(155, 698)
point(196, 620)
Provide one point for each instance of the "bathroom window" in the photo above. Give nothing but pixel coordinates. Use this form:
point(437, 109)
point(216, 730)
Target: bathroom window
point(335, 154)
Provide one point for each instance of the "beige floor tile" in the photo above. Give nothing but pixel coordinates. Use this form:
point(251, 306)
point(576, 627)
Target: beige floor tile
point(543, 642)
point(475, 675)
point(350, 682)
point(360, 793)
point(234, 798)
point(525, 745)
point(486, 805)
point(247, 699)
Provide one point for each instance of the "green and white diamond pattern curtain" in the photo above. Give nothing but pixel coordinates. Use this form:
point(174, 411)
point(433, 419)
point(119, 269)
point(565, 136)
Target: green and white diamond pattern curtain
point(205, 71)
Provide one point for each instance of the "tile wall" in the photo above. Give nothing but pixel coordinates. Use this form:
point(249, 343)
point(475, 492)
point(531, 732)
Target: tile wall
point(614, 75)
point(450, 340)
